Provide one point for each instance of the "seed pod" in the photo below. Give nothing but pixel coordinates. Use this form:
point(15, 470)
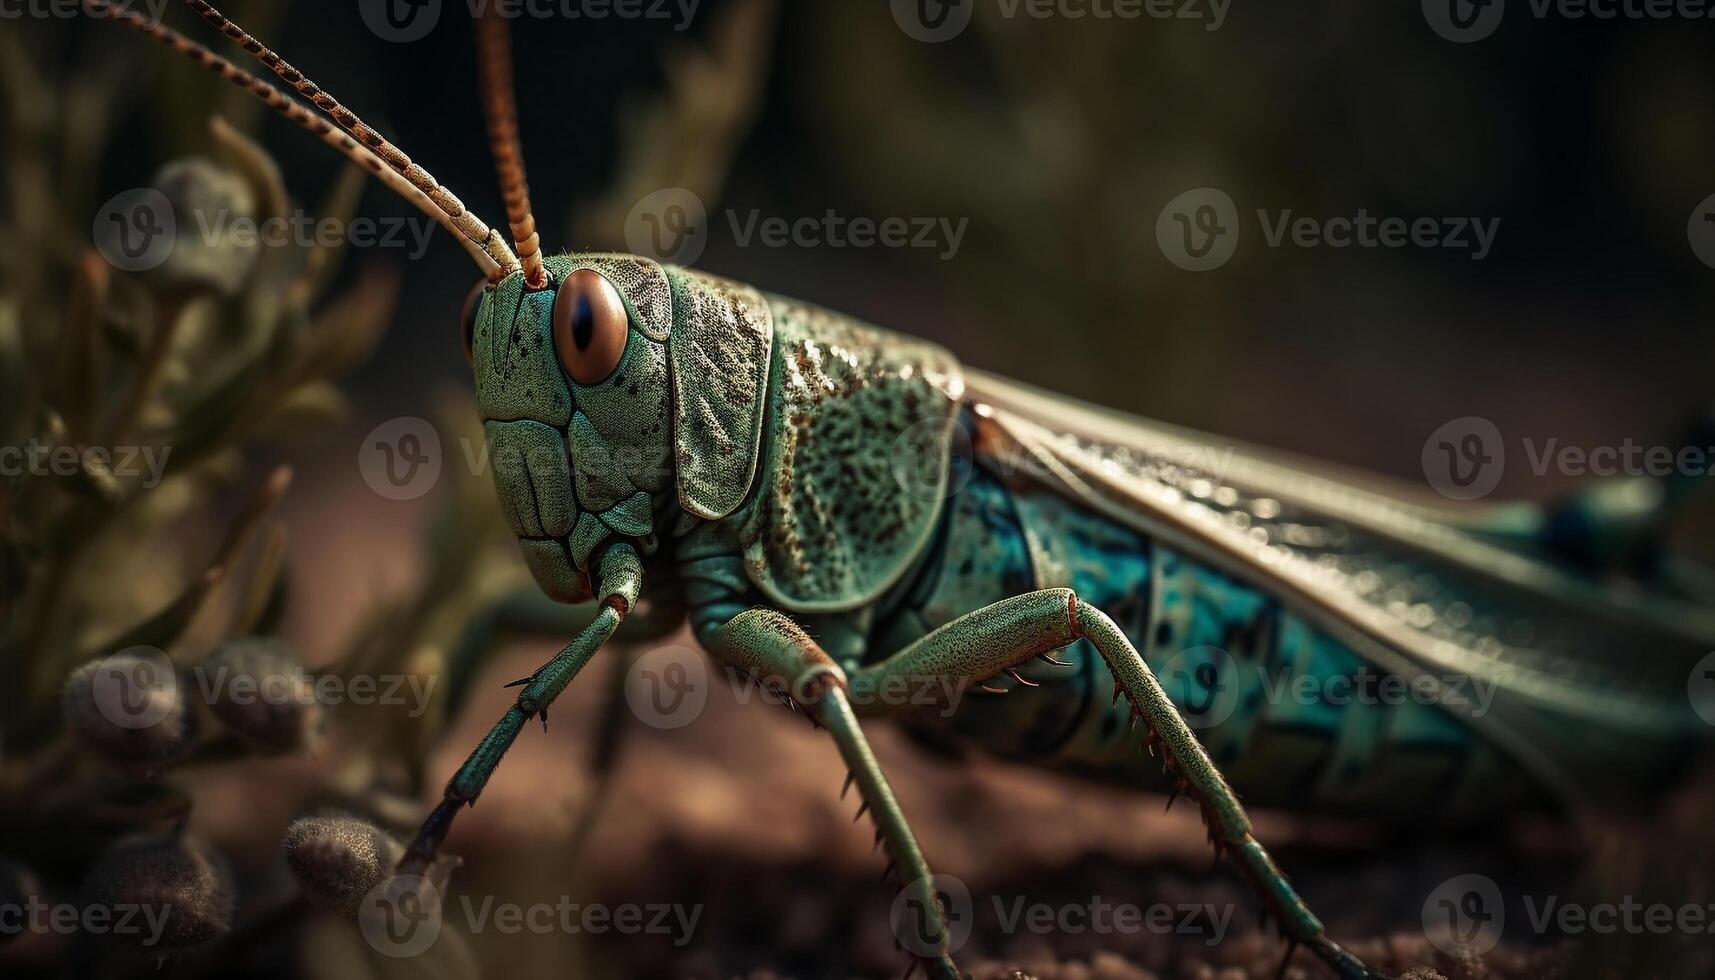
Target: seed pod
point(17, 887)
point(213, 250)
point(262, 692)
point(181, 885)
point(339, 858)
point(130, 709)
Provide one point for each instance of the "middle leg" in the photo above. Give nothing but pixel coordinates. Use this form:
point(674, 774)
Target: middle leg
point(773, 648)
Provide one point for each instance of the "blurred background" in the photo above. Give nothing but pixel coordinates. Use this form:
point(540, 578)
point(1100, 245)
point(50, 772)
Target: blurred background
point(1054, 144)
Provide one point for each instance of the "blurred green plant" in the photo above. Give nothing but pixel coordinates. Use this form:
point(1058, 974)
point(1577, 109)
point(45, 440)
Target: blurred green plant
point(121, 592)
point(117, 579)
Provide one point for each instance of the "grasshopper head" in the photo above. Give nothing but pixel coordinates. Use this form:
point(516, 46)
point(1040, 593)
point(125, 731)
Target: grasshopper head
point(619, 393)
point(573, 384)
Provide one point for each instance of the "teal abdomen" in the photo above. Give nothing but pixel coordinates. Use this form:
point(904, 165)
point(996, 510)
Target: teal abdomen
point(1294, 717)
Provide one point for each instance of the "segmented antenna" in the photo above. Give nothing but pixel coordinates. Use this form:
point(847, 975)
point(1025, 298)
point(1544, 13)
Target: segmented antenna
point(500, 107)
point(275, 100)
point(468, 224)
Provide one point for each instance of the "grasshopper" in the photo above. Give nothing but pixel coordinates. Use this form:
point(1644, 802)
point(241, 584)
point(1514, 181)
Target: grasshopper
point(676, 434)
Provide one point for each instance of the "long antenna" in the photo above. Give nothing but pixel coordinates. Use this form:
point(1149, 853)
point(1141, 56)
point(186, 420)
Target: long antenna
point(467, 223)
point(500, 108)
point(273, 98)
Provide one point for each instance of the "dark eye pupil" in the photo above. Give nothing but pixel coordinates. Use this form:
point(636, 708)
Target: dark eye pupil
point(583, 324)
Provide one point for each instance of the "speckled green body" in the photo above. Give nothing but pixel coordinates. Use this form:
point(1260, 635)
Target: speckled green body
point(839, 507)
point(766, 452)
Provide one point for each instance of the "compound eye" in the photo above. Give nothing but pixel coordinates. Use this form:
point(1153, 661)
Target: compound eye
point(467, 322)
point(590, 326)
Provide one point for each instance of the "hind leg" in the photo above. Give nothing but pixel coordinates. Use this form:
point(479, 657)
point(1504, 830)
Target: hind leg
point(1013, 631)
